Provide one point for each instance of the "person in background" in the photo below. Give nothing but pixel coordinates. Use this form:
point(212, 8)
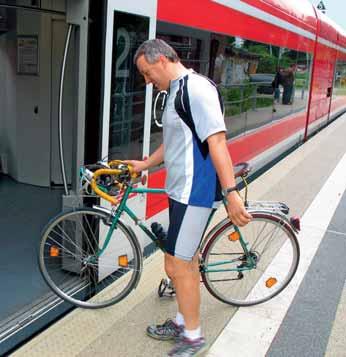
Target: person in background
point(276, 85)
point(288, 84)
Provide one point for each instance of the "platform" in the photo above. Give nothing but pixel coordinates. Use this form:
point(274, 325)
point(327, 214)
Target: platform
point(305, 320)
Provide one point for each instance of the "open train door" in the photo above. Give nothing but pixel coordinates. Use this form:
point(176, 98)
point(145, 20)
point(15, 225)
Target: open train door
point(127, 100)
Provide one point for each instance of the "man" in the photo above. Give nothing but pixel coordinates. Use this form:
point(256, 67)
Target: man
point(197, 161)
point(276, 85)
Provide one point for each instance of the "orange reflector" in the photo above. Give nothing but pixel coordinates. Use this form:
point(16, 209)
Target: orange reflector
point(123, 261)
point(271, 282)
point(54, 251)
point(233, 236)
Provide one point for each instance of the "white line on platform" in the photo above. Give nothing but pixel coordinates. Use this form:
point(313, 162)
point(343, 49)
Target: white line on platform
point(251, 330)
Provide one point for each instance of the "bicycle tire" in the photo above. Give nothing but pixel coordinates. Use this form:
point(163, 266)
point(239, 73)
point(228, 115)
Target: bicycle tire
point(267, 279)
point(69, 264)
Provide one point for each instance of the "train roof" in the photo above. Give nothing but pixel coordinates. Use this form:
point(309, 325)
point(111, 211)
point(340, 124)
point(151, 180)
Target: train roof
point(328, 26)
point(299, 13)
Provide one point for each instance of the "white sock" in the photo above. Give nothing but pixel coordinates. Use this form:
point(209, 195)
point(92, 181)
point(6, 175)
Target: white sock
point(193, 334)
point(179, 319)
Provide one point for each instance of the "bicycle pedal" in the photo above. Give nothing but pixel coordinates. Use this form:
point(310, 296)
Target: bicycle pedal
point(158, 231)
point(166, 288)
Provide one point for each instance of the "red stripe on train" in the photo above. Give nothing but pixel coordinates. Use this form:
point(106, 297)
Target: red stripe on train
point(241, 149)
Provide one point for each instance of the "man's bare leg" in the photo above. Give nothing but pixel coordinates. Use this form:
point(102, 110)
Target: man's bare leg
point(186, 280)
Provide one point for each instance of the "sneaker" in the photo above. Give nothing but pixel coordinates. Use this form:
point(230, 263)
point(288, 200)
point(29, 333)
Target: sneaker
point(169, 330)
point(186, 347)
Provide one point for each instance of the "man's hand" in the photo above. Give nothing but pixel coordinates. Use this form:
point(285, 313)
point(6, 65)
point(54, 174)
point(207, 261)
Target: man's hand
point(236, 210)
point(137, 165)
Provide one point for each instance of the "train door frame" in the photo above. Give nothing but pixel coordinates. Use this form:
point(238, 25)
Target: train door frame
point(333, 84)
point(136, 8)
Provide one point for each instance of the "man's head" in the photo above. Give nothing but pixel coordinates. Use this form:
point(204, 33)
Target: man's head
point(156, 61)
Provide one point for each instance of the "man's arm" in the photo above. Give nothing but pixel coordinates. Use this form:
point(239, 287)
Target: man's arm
point(224, 169)
point(156, 158)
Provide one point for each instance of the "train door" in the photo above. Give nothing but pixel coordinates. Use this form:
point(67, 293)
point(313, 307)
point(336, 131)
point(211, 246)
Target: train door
point(127, 100)
point(333, 70)
point(327, 84)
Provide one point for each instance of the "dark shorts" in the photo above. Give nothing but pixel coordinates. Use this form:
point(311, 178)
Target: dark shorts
point(187, 225)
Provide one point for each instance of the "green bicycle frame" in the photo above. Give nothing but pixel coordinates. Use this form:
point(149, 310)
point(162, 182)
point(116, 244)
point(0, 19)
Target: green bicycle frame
point(122, 207)
point(250, 262)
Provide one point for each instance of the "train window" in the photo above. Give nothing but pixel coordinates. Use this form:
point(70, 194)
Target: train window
point(259, 82)
point(127, 88)
point(340, 79)
point(244, 71)
point(291, 85)
point(302, 81)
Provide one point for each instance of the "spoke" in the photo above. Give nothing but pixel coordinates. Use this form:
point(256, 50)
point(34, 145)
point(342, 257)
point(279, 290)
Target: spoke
point(86, 235)
point(65, 236)
point(75, 272)
point(61, 246)
point(270, 238)
point(259, 235)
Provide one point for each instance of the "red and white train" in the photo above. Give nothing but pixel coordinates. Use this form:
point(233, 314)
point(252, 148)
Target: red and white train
point(235, 43)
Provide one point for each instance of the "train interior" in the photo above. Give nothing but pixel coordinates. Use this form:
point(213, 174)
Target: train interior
point(31, 51)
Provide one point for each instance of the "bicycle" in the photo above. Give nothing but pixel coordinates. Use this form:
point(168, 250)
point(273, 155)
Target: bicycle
point(92, 259)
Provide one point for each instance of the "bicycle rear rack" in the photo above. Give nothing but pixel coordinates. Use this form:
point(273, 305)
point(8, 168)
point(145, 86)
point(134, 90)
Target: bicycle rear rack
point(270, 206)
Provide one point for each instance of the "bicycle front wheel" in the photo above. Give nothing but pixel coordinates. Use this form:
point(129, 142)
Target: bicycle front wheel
point(250, 276)
point(77, 268)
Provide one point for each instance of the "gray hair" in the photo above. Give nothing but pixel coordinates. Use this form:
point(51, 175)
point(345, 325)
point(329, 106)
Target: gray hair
point(153, 49)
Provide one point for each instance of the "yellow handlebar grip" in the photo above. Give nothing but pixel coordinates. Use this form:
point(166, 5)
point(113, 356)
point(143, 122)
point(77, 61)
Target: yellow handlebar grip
point(117, 162)
point(100, 193)
point(132, 173)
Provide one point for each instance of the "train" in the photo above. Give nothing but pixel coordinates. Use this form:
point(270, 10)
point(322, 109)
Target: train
point(242, 46)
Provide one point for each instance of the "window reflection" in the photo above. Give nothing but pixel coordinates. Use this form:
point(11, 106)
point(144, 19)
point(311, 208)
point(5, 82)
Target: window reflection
point(340, 79)
point(242, 69)
point(259, 82)
point(127, 88)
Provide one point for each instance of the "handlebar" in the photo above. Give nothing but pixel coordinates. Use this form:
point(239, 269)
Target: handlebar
point(120, 174)
point(100, 193)
point(116, 173)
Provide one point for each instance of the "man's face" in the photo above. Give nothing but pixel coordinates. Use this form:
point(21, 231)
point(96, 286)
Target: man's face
point(155, 73)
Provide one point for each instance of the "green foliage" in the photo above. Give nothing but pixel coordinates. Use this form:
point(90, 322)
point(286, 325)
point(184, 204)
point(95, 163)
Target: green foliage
point(267, 64)
point(242, 99)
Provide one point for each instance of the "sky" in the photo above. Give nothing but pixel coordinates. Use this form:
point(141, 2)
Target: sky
point(336, 10)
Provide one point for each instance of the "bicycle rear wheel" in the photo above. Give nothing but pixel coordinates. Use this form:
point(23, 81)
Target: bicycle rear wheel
point(72, 265)
point(273, 250)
